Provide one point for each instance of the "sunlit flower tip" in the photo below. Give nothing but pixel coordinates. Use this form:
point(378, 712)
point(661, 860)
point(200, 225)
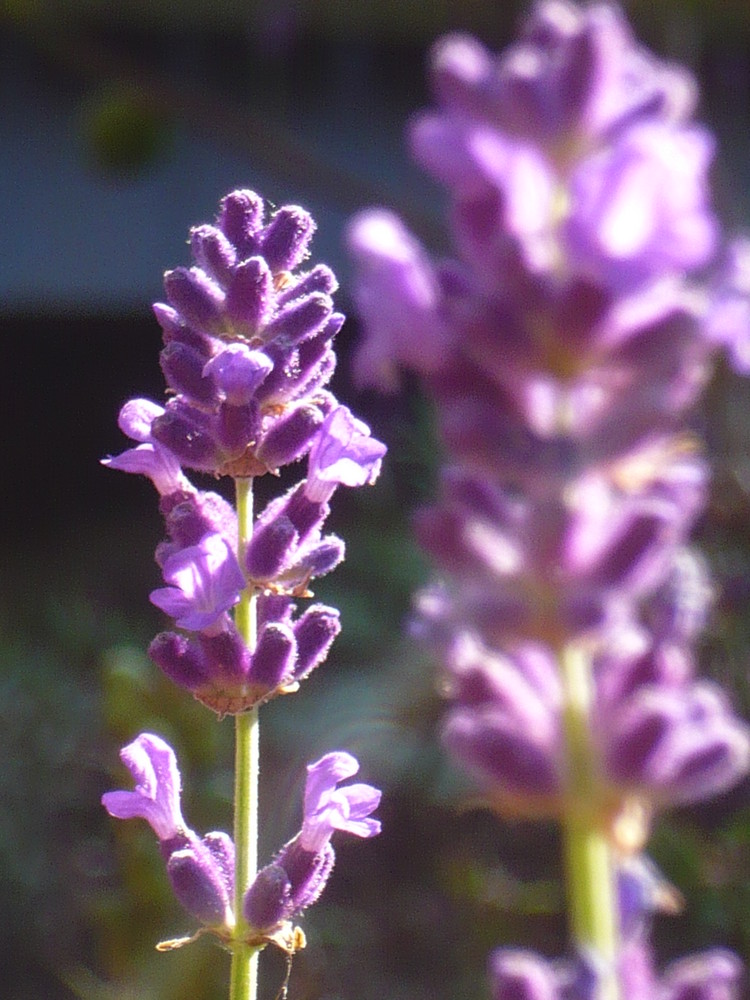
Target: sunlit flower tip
point(286, 238)
point(240, 219)
point(156, 797)
point(268, 901)
point(137, 416)
point(328, 808)
point(197, 298)
point(522, 975)
point(213, 252)
point(206, 581)
point(314, 632)
point(343, 453)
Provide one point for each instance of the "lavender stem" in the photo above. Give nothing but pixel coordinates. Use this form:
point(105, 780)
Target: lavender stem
point(244, 970)
point(588, 853)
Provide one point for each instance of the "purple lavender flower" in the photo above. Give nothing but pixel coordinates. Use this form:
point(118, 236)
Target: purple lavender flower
point(247, 343)
point(156, 798)
point(343, 453)
point(563, 348)
point(299, 872)
point(247, 357)
point(201, 871)
point(329, 808)
point(150, 458)
point(207, 581)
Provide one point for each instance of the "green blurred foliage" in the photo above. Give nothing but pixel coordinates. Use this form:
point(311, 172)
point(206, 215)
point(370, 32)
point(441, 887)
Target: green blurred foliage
point(124, 133)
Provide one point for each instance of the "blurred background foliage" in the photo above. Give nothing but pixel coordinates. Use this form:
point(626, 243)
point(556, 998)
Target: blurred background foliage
point(121, 124)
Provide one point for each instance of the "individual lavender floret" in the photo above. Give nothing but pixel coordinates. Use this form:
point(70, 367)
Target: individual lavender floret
point(298, 874)
point(201, 870)
point(343, 454)
point(206, 582)
point(150, 458)
point(287, 549)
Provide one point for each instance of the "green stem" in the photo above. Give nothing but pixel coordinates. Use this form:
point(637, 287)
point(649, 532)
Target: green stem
point(590, 872)
point(244, 971)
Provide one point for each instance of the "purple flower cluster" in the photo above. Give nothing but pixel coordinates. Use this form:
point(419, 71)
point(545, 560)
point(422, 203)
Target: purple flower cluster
point(201, 869)
point(563, 348)
point(247, 356)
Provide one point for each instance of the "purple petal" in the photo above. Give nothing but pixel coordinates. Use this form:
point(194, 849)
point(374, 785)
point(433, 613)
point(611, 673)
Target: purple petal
point(154, 461)
point(238, 371)
point(343, 453)
point(328, 808)
point(156, 798)
point(207, 582)
point(136, 417)
point(398, 296)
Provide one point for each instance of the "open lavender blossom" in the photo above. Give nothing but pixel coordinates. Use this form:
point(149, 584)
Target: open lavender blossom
point(343, 453)
point(298, 874)
point(206, 582)
point(200, 870)
point(563, 347)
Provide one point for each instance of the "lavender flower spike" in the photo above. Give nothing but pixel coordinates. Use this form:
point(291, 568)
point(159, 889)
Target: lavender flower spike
point(156, 798)
point(342, 453)
point(563, 346)
point(207, 582)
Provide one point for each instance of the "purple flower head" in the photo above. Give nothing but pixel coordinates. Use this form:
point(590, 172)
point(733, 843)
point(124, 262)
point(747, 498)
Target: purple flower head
point(247, 342)
point(156, 798)
point(328, 808)
point(206, 581)
point(150, 458)
point(220, 671)
point(342, 453)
